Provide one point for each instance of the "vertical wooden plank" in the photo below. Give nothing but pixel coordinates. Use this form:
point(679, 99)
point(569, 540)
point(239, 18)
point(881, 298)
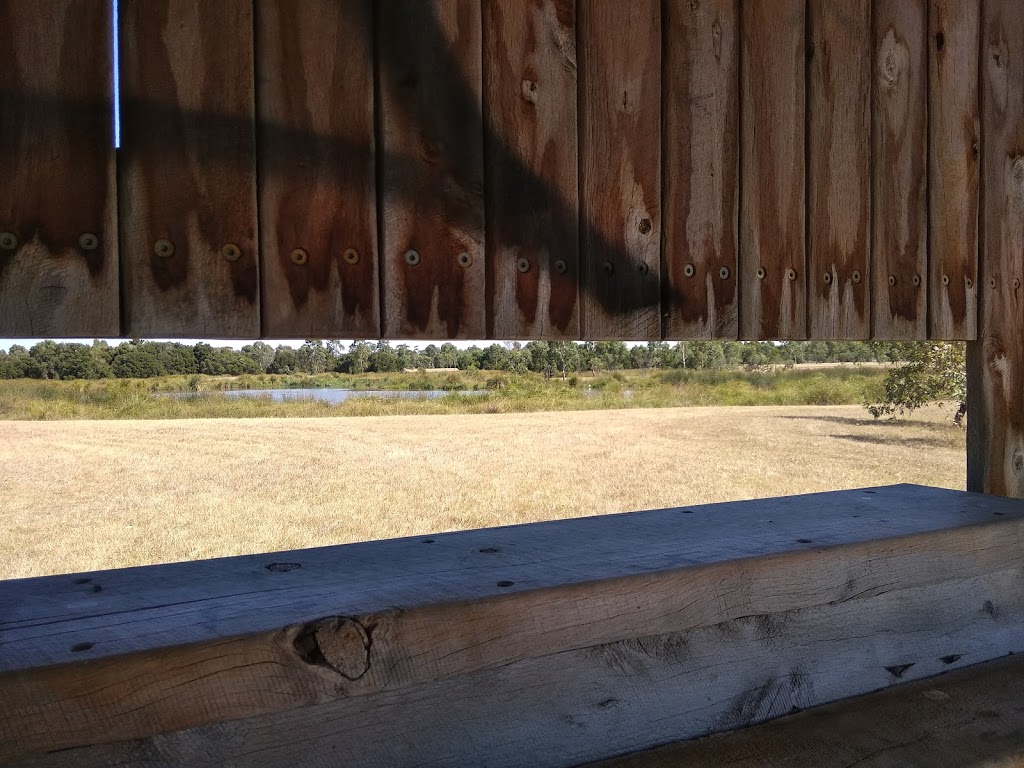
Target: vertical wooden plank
point(900, 139)
point(432, 168)
point(317, 173)
point(532, 171)
point(620, 168)
point(995, 364)
point(188, 169)
point(772, 216)
point(701, 176)
point(839, 169)
point(953, 163)
point(58, 203)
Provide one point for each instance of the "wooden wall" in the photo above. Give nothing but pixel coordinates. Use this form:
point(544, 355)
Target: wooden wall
point(770, 169)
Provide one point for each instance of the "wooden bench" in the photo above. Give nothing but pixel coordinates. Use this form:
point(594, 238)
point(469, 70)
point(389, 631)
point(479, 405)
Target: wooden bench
point(550, 644)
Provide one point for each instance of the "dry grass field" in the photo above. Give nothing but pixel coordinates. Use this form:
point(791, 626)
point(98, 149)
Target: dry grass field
point(85, 495)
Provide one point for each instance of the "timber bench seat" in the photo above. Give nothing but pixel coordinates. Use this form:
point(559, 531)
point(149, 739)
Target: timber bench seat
point(550, 644)
point(971, 718)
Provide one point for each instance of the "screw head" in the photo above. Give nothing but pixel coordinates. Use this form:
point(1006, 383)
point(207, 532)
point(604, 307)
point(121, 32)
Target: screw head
point(856, 277)
point(561, 267)
point(299, 257)
point(231, 252)
point(916, 280)
point(724, 273)
point(688, 270)
point(828, 278)
point(992, 282)
point(970, 283)
point(1016, 283)
point(761, 273)
point(523, 264)
point(351, 256)
point(88, 242)
point(791, 274)
point(412, 258)
point(465, 260)
point(163, 248)
point(945, 279)
point(8, 241)
point(892, 280)
point(609, 268)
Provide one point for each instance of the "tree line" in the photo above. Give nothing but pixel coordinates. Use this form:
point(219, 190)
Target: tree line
point(139, 359)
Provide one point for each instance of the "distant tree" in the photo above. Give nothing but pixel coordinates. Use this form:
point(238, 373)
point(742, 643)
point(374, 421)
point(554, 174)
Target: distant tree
point(261, 353)
point(930, 371)
point(285, 360)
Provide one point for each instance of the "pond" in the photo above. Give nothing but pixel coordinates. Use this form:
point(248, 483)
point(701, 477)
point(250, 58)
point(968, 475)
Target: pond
point(330, 396)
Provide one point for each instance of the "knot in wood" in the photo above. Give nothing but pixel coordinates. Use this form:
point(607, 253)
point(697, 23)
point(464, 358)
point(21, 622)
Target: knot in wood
point(340, 644)
point(530, 91)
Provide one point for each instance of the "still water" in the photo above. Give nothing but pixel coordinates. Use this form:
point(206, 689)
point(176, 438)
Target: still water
point(336, 396)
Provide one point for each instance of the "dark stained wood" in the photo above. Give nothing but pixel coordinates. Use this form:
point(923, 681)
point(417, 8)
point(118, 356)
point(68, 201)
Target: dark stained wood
point(839, 169)
point(532, 169)
point(970, 719)
point(995, 367)
point(701, 174)
point(772, 253)
point(425, 639)
point(58, 203)
point(620, 168)
point(317, 174)
point(900, 139)
point(953, 163)
point(432, 189)
point(188, 169)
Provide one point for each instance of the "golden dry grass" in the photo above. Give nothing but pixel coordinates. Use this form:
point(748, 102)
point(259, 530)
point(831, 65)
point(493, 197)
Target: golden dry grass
point(77, 496)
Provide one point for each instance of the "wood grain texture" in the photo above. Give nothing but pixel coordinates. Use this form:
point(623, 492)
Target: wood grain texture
point(187, 169)
point(899, 196)
point(773, 270)
point(839, 169)
point(532, 169)
point(701, 170)
point(240, 634)
point(317, 172)
point(970, 718)
point(591, 702)
point(954, 161)
point(995, 368)
point(620, 168)
point(59, 271)
point(432, 168)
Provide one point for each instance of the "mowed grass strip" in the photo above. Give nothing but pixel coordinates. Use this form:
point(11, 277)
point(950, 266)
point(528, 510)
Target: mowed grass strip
point(89, 495)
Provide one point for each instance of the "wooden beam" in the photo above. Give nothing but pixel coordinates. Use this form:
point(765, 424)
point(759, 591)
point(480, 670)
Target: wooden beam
point(539, 629)
point(970, 718)
point(995, 366)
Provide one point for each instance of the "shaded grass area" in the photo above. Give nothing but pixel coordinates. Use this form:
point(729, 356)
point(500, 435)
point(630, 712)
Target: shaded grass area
point(29, 399)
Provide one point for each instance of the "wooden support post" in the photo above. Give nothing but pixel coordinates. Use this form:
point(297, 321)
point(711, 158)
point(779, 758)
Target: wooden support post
point(995, 362)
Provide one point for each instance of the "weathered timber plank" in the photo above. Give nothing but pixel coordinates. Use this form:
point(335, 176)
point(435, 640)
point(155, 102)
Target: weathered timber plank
point(954, 161)
point(995, 368)
point(701, 174)
point(970, 718)
point(317, 173)
point(620, 169)
point(839, 169)
point(589, 703)
point(899, 231)
point(187, 169)
point(431, 184)
point(224, 632)
point(532, 169)
point(773, 275)
point(58, 202)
